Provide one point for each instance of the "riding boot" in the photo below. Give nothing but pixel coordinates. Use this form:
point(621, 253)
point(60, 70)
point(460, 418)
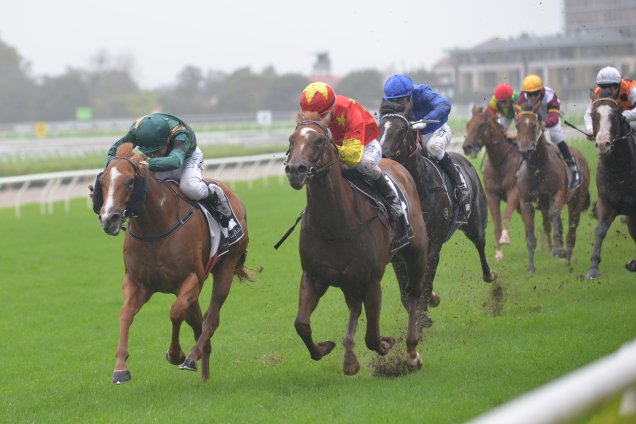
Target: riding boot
point(574, 176)
point(460, 189)
point(403, 231)
point(219, 205)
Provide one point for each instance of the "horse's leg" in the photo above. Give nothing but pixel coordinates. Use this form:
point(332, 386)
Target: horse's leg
point(476, 232)
point(513, 197)
point(605, 218)
point(427, 296)
point(350, 364)
point(493, 205)
point(222, 274)
point(310, 294)
point(631, 227)
point(416, 269)
point(574, 217)
point(527, 212)
point(187, 295)
point(557, 227)
point(372, 298)
point(135, 296)
point(194, 318)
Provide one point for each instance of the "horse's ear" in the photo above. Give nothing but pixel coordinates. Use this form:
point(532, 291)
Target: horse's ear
point(475, 110)
point(326, 119)
point(592, 94)
point(408, 108)
point(299, 118)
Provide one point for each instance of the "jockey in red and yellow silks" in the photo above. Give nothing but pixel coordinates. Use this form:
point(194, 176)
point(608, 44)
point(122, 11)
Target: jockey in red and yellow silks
point(354, 132)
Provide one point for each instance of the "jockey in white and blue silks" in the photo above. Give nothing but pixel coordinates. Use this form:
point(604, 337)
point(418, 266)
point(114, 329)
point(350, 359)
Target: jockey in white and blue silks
point(429, 105)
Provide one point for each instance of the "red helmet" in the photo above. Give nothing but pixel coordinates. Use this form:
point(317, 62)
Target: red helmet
point(317, 97)
point(503, 92)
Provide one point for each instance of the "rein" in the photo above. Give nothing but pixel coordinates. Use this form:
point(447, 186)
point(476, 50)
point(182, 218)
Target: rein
point(150, 239)
point(538, 133)
point(318, 168)
point(619, 116)
point(413, 150)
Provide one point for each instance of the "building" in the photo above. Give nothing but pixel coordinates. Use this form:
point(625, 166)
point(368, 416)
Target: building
point(567, 62)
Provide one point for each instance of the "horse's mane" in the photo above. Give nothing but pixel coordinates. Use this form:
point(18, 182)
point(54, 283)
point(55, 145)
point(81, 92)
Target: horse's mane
point(388, 106)
point(126, 150)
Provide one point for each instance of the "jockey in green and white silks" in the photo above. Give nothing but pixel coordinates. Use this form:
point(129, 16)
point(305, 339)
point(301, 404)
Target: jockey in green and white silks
point(171, 147)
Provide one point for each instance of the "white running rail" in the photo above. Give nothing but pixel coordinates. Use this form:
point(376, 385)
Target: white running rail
point(574, 394)
point(48, 188)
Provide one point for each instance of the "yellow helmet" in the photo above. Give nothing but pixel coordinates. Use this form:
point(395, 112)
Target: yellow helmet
point(532, 83)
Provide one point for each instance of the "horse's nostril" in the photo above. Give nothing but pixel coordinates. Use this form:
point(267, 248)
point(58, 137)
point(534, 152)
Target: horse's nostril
point(302, 169)
point(286, 169)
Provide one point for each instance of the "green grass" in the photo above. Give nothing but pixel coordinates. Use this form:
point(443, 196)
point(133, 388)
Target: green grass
point(61, 293)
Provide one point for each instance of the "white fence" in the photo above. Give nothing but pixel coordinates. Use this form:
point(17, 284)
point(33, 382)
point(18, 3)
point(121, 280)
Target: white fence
point(48, 188)
point(567, 398)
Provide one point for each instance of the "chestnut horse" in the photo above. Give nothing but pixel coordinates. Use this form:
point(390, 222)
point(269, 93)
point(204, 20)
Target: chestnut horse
point(615, 175)
point(345, 242)
point(499, 172)
point(399, 142)
point(543, 181)
point(166, 250)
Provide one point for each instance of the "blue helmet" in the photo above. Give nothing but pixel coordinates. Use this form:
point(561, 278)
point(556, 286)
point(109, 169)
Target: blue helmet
point(398, 85)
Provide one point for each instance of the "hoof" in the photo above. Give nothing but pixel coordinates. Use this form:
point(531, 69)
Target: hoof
point(350, 366)
point(176, 361)
point(559, 253)
point(434, 300)
point(423, 322)
point(498, 255)
point(121, 377)
point(386, 343)
point(322, 349)
point(490, 278)
point(631, 265)
point(593, 274)
point(189, 365)
point(414, 364)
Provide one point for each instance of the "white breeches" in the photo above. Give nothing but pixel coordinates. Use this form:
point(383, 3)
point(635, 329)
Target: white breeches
point(437, 141)
point(190, 176)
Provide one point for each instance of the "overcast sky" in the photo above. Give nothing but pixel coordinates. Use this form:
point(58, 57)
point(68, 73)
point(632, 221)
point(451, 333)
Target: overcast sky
point(162, 37)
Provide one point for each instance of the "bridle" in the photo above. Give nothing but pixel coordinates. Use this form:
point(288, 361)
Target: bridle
point(138, 190)
point(318, 168)
point(619, 119)
point(538, 133)
point(405, 140)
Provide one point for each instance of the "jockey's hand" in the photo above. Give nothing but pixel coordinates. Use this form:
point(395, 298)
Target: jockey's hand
point(144, 163)
point(511, 133)
point(591, 137)
point(91, 189)
point(542, 124)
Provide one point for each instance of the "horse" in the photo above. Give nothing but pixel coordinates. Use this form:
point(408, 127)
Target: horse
point(166, 250)
point(399, 142)
point(499, 170)
point(542, 180)
point(615, 176)
point(346, 242)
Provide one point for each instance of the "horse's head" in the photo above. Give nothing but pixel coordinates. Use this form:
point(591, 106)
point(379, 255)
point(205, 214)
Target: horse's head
point(608, 123)
point(396, 137)
point(308, 149)
point(529, 130)
point(476, 129)
point(123, 188)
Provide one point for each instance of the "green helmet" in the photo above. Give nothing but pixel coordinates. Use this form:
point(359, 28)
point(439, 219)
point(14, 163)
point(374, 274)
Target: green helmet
point(152, 132)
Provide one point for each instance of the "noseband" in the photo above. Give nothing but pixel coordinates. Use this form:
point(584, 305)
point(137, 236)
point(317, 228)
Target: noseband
point(318, 168)
point(411, 146)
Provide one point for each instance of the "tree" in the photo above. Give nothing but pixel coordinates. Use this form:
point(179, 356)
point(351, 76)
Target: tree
point(59, 97)
point(17, 90)
point(284, 92)
point(363, 86)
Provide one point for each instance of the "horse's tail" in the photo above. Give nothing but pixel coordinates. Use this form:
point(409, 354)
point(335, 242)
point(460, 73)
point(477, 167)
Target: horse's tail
point(243, 272)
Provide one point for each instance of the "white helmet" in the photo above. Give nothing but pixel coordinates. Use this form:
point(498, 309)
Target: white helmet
point(608, 75)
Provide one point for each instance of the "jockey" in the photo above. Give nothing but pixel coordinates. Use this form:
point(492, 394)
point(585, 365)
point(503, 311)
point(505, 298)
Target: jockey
point(545, 102)
point(619, 89)
point(425, 105)
point(502, 107)
point(354, 132)
point(171, 148)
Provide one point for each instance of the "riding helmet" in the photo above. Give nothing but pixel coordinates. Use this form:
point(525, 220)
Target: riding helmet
point(317, 97)
point(608, 75)
point(503, 92)
point(398, 86)
point(151, 133)
point(532, 83)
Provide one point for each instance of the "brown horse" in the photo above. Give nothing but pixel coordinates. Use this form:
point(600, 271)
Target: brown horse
point(499, 172)
point(345, 242)
point(166, 250)
point(399, 143)
point(615, 176)
point(543, 181)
